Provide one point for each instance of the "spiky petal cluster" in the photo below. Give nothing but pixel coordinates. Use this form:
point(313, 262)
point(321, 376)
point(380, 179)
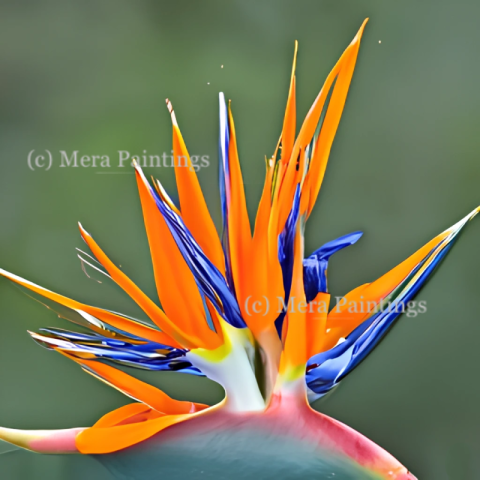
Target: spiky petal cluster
point(219, 296)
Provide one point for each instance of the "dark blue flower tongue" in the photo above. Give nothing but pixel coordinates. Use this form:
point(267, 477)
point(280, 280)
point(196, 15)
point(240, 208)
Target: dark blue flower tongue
point(285, 254)
point(316, 265)
point(126, 350)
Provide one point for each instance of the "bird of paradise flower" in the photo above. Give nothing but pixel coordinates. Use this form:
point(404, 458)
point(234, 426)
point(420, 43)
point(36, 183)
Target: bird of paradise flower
point(205, 326)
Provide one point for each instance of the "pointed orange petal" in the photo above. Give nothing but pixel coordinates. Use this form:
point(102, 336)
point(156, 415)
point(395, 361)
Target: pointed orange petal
point(192, 203)
point(265, 283)
point(111, 319)
point(264, 206)
point(294, 170)
point(177, 289)
point(134, 388)
point(111, 439)
point(345, 68)
point(154, 312)
point(240, 237)
point(289, 122)
point(282, 202)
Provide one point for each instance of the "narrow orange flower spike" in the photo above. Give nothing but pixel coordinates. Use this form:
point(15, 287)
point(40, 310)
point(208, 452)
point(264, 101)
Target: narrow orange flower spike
point(192, 203)
point(154, 312)
point(238, 223)
point(260, 282)
point(176, 286)
point(134, 388)
point(263, 266)
point(289, 122)
point(94, 316)
point(101, 440)
point(343, 73)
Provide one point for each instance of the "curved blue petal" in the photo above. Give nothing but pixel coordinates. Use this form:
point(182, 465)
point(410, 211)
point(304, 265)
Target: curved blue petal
point(315, 266)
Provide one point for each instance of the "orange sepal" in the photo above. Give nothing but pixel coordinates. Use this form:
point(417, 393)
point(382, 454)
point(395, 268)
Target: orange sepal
point(176, 286)
point(110, 318)
point(239, 233)
point(342, 72)
point(154, 312)
point(135, 388)
point(289, 122)
point(261, 274)
point(111, 439)
point(192, 202)
point(131, 413)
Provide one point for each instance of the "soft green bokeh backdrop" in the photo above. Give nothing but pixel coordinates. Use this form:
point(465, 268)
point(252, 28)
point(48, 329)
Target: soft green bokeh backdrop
point(92, 76)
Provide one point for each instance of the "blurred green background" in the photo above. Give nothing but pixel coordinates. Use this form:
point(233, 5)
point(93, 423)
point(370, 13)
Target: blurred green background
point(93, 76)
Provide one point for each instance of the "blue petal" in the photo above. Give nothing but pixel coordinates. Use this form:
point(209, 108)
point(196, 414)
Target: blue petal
point(224, 181)
point(129, 351)
point(316, 265)
point(286, 241)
